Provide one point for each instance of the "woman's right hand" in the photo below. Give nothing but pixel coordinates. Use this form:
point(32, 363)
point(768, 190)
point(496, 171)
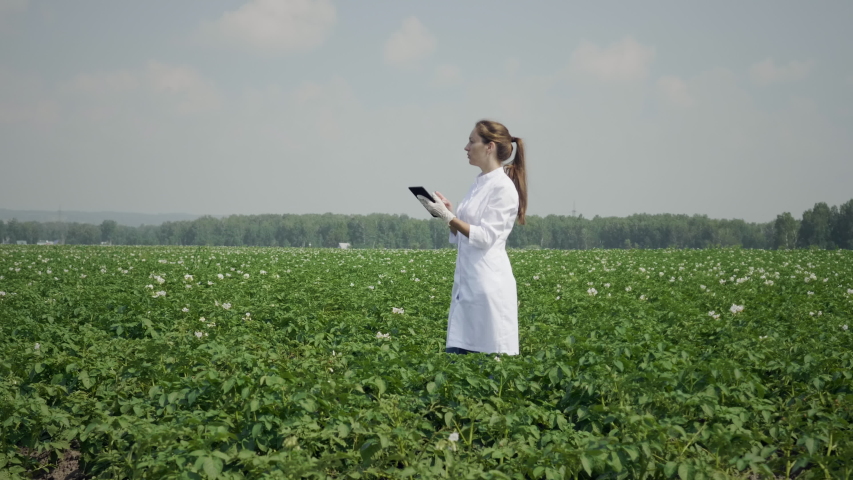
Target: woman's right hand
point(445, 201)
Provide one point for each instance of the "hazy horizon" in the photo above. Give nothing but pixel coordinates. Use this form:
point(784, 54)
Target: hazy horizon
point(320, 106)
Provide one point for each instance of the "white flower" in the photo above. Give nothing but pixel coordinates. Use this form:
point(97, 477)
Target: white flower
point(403, 271)
point(83, 275)
point(161, 293)
point(762, 337)
point(245, 275)
point(735, 309)
point(810, 293)
point(200, 334)
point(453, 437)
point(768, 282)
point(850, 291)
point(642, 297)
point(163, 261)
point(628, 289)
point(417, 280)
point(188, 286)
point(535, 277)
point(159, 279)
point(226, 306)
point(370, 287)
point(220, 276)
point(808, 279)
point(396, 310)
point(38, 345)
point(202, 319)
point(209, 282)
point(844, 327)
point(497, 358)
point(606, 285)
point(593, 292)
point(2, 294)
point(558, 297)
point(248, 315)
point(722, 282)
point(188, 277)
point(185, 309)
point(383, 335)
point(263, 272)
point(811, 314)
point(712, 313)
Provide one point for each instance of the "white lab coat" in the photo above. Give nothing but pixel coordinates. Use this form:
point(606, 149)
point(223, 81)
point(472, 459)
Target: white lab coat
point(484, 306)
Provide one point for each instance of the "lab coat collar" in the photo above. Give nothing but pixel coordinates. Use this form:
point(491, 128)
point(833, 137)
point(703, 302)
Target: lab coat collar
point(496, 173)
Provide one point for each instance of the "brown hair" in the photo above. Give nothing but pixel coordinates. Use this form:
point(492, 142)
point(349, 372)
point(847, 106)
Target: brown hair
point(491, 131)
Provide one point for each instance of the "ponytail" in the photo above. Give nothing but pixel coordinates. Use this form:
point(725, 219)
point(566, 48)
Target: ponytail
point(491, 131)
point(517, 172)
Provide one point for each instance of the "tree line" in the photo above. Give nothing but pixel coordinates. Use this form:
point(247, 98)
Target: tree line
point(820, 227)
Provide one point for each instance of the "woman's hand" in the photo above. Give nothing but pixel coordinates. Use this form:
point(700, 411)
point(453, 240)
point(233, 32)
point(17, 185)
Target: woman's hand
point(445, 201)
point(449, 206)
point(437, 209)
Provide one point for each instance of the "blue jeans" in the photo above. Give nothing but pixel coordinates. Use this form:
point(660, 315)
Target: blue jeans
point(459, 351)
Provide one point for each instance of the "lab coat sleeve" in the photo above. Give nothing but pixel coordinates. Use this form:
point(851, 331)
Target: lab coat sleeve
point(497, 220)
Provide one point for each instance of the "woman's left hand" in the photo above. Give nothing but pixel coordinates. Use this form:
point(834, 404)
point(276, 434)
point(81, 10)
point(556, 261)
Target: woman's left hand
point(444, 200)
point(437, 209)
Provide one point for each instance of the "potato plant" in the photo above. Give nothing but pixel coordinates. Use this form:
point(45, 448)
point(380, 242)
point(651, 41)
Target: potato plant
point(187, 362)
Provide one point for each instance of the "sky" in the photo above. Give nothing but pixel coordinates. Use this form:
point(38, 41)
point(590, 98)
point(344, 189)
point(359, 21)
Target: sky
point(728, 109)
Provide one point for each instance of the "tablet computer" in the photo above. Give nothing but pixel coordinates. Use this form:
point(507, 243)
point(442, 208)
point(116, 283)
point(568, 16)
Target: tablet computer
point(422, 192)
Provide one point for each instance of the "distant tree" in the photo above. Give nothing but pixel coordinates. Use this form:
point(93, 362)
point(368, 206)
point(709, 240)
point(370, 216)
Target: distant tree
point(815, 227)
point(83, 234)
point(785, 231)
point(842, 225)
point(2, 231)
point(108, 227)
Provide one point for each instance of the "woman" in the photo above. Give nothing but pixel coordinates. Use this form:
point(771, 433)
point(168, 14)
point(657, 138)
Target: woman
point(484, 307)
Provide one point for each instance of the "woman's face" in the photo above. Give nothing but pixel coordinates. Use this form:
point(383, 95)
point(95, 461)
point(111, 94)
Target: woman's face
point(477, 150)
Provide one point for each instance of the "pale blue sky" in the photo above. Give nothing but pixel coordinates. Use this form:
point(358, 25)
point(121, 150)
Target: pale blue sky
point(730, 109)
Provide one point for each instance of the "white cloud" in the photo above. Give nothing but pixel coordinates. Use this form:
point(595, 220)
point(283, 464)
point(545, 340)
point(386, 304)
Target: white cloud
point(273, 25)
point(336, 92)
point(25, 99)
point(446, 75)
point(38, 112)
point(411, 43)
point(178, 87)
point(766, 72)
point(674, 90)
point(623, 61)
point(105, 82)
point(194, 93)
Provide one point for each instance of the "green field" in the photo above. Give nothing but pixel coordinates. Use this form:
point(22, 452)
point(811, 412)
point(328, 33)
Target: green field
point(179, 362)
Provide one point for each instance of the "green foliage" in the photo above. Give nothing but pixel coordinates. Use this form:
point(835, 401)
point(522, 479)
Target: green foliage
point(292, 363)
point(822, 226)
